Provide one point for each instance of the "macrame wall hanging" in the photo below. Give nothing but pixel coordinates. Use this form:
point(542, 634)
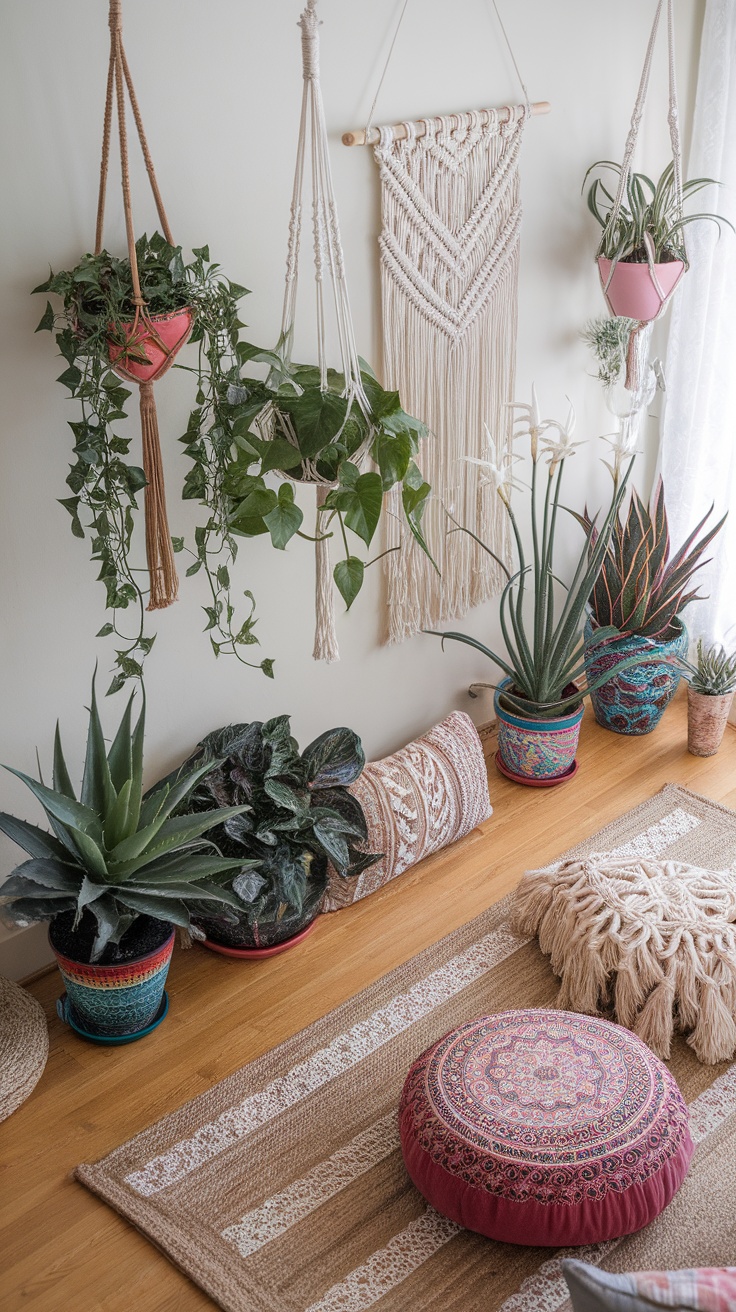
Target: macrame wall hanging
point(151, 342)
point(642, 291)
point(449, 247)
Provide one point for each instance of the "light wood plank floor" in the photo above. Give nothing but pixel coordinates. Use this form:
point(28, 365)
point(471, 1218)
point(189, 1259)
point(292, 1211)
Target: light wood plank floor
point(60, 1248)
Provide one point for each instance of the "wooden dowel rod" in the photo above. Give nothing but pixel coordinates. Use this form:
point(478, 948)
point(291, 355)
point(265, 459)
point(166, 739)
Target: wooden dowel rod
point(362, 138)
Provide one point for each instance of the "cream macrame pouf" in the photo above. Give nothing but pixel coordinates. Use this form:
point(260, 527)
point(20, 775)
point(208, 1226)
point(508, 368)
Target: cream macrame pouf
point(654, 940)
point(24, 1045)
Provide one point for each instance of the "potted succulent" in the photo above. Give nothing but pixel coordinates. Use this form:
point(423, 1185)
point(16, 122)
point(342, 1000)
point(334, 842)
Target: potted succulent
point(539, 706)
point(639, 594)
point(711, 681)
point(286, 815)
point(113, 877)
point(102, 336)
point(641, 257)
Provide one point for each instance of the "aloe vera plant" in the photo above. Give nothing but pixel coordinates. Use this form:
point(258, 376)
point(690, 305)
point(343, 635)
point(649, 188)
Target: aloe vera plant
point(649, 224)
point(112, 850)
point(642, 587)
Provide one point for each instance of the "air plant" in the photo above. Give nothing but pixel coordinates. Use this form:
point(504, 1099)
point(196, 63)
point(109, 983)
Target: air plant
point(543, 652)
point(713, 672)
point(649, 225)
point(642, 587)
point(608, 339)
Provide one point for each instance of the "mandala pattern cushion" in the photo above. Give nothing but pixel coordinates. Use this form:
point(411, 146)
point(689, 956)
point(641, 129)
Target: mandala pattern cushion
point(544, 1127)
point(709, 1289)
point(425, 796)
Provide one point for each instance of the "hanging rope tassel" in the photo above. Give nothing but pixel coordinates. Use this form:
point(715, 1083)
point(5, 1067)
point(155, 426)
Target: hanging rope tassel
point(325, 633)
point(159, 551)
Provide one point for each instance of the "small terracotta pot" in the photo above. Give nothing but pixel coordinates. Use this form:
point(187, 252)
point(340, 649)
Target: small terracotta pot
point(633, 293)
point(707, 717)
point(159, 337)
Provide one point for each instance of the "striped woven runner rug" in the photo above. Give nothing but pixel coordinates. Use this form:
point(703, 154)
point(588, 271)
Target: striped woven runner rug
point(282, 1189)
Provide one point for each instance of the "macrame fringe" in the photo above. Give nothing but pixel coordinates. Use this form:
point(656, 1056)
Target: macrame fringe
point(325, 633)
point(159, 550)
point(613, 936)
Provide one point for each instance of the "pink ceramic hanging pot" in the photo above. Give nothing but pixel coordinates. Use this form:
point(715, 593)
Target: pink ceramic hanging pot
point(639, 291)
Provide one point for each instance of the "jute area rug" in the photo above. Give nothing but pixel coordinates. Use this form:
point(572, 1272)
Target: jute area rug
point(282, 1189)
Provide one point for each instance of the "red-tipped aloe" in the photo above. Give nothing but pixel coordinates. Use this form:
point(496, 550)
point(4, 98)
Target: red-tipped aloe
point(641, 588)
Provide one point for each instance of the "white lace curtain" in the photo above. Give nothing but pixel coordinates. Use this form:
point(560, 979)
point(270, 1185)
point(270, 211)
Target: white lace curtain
point(698, 456)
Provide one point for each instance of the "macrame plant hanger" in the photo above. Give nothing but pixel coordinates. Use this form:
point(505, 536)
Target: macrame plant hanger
point(128, 361)
point(328, 256)
point(449, 246)
point(671, 272)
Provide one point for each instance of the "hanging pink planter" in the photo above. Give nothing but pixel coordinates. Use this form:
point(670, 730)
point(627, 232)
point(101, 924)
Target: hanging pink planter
point(157, 336)
point(639, 291)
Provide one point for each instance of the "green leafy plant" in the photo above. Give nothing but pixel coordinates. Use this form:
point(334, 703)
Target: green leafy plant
point(103, 483)
point(608, 339)
point(293, 427)
point(713, 672)
point(543, 657)
point(649, 225)
point(642, 587)
point(285, 813)
point(111, 851)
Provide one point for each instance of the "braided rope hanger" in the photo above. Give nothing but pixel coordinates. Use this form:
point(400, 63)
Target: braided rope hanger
point(164, 584)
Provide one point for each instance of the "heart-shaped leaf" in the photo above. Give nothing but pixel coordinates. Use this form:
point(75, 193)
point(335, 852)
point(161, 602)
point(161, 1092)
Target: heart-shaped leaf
point(348, 575)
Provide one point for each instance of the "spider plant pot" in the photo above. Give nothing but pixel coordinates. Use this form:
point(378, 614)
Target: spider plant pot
point(533, 750)
point(634, 701)
point(639, 291)
point(116, 1001)
point(158, 337)
point(707, 716)
point(268, 933)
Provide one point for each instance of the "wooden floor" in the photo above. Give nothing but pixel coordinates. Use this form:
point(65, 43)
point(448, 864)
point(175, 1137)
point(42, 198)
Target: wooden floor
point(60, 1248)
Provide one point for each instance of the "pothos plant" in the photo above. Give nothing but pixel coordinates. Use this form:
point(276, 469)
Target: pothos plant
point(104, 484)
point(292, 426)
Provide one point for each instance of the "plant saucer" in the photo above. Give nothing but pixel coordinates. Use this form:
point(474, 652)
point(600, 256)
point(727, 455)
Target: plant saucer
point(536, 783)
point(257, 954)
point(64, 1012)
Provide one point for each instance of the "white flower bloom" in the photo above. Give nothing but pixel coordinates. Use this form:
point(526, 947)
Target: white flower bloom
point(560, 447)
point(497, 474)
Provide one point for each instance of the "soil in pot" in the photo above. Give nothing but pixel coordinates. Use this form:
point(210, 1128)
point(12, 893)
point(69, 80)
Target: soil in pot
point(265, 930)
point(145, 935)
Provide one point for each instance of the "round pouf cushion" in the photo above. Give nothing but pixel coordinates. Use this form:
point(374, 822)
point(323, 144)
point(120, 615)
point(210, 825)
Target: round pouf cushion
point(24, 1045)
point(544, 1127)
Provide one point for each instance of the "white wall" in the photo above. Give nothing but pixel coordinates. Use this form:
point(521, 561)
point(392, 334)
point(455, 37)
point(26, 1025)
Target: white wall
point(219, 85)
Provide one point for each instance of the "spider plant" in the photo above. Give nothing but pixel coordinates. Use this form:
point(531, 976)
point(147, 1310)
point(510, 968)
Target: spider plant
point(713, 672)
point(649, 224)
point(543, 650)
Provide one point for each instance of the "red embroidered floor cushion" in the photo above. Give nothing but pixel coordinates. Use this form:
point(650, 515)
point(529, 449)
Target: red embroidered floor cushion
point(544, 1127)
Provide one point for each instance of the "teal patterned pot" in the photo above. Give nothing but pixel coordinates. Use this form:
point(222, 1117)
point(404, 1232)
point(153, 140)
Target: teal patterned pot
point(537, 750)
point(116, 1000)
point(633, 702)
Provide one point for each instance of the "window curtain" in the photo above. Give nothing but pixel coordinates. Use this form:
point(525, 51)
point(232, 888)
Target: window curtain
point(698, 451)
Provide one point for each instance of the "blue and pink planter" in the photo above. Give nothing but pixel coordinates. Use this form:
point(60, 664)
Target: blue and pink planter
point(538, 753)
point(116, 1003)
point(634, 701)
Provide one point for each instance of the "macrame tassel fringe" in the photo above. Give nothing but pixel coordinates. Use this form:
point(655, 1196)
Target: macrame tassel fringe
point(159, 551)
point(325, 634)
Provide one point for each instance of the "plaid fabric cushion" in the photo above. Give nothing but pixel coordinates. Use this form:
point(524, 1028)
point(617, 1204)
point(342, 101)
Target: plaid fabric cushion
point(710, 1289)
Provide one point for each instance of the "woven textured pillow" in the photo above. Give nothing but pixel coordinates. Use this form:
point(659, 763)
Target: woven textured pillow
point(428, 794)
point(711, 1289)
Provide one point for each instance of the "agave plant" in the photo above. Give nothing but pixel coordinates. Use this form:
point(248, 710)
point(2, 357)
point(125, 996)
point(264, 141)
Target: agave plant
point(641, 587)
point(649, 224)
point(543, 657)
point(713, 672)
point(110, 850)
point(288, 812)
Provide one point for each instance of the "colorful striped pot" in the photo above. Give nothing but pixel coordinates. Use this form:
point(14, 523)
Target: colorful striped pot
point(116, 1000)
point(633, 702)
point(536, 749)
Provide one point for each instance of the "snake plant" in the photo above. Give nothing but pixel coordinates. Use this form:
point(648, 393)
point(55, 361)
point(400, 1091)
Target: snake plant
point(543, 652)
point(112, 850)
point(649, 220)
point(641, 587)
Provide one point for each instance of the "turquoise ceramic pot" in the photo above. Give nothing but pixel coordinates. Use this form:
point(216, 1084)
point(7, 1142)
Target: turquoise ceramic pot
point(633, 702)
point(536, 749)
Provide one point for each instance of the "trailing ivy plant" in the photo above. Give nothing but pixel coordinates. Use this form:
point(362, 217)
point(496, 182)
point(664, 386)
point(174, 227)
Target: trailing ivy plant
point(292, 427)
point(103, 483)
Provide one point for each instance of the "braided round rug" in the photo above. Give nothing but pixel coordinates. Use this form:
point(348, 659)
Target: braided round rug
point(24, 1045)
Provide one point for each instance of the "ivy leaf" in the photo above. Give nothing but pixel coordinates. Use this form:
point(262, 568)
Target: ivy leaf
point(285, 519)
point(105, 631)
point(267, 667)
point(70, 378)
point(348, 575)
point(177, 544)
point(72, 505)
point(318, 417)
point(47, 321)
